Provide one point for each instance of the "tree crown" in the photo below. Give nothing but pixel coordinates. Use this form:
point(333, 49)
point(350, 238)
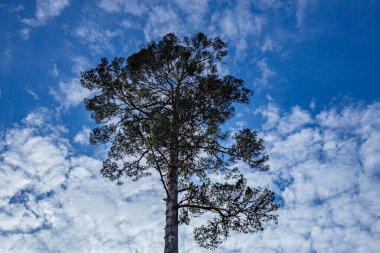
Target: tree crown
point(169, 97)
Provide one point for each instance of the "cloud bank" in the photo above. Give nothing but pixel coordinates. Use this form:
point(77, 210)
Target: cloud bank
point(325, 170)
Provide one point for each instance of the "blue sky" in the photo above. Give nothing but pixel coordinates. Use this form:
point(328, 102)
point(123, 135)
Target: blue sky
point(315, 69)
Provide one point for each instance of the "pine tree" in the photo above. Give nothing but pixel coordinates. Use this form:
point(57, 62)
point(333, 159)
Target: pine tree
point(162, 110)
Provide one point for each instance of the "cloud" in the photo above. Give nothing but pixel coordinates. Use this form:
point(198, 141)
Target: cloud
point(69, 93)
point(270, 46)
point(37, 118)
point(313, 104)
point(24, 33)
point(54, 201)
point(128, 24)
point(83, 136)
point(162, 20)
point(8, 52)
point(18, 8)
point(296, 119)
point(33, 168)
point(54, 72)
point(81, 63)
point(327, 166)
point(266, 74)
point(325, 171)
point(134, 7)
point(195, 11)
point(238, 25)
point(97, 38)
point(45, 11)
point(302, 7)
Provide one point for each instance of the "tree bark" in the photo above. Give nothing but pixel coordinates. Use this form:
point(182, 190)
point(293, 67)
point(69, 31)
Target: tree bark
point(171, 228)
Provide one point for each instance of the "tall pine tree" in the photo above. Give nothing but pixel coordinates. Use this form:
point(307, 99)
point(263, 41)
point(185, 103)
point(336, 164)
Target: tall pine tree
point(162, 110)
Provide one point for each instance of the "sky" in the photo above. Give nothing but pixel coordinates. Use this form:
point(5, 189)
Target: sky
point(315, 69)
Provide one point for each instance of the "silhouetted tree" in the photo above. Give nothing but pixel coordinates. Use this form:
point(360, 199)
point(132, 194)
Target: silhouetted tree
point(162, 109)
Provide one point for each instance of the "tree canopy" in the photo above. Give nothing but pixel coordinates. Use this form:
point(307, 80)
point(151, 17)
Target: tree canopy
point(162, 110)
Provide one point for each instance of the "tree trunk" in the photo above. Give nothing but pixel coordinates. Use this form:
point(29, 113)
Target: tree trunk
point(171, 228)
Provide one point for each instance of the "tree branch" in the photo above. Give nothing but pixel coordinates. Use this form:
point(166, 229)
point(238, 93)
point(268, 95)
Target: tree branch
point(160, 172)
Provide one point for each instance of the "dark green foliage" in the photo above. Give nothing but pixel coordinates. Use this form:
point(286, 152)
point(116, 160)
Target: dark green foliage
point(238, 207)
point(163, 106)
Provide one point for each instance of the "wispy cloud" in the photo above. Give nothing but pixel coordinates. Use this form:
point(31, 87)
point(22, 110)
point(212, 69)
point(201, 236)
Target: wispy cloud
point(81, 63)
point(243, 24)
point(134, 7)
point(45, 11)
point(83, 136)
point(162, 20)
point(54, 72)
point(269, 45)
point(97, 38)
point(266, 74)
point(237, 24)
point(195, 12)
point(69, 93)
point(302, 8)
point(32, 93)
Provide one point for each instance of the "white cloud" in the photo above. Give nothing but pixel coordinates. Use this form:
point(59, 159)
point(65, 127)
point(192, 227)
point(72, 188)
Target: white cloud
point(54, 201)
point(69, 93)
point(18, 8)
point(195, 12)
point(54, 72)
point(270, 46)
point(33, 169)
point(8, 52)
point(271, 113)
point(238, 25)
point(325, 167)
point(266, 74)
point(302, 7)
point(313, 104)
point(25, 33)
point(13, 8)
point(37, 118)
point(162, 20)
point(81, 63)
point(45, 11)
point(83, 136)
point(128, 24)
point(99, 39)
point(134, 7)
point(295, 120)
